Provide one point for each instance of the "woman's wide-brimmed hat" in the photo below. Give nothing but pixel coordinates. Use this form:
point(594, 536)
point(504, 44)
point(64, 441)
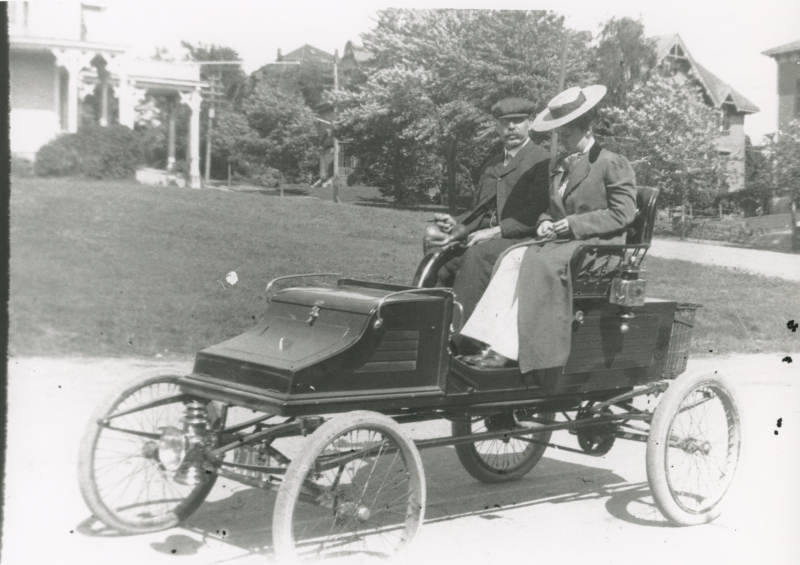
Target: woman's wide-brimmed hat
point(567, 106)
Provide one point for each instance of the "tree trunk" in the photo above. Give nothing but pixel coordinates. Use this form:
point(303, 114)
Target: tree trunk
point(451, 180)
point(683, 214)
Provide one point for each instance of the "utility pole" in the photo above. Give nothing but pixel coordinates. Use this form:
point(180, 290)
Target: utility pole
point(216, 82)
point(335, 138)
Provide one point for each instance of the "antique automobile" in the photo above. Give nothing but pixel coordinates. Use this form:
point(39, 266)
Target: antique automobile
point(331, 372)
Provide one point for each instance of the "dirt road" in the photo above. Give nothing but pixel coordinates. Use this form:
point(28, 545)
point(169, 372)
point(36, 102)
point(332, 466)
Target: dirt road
point(768, 263)
point(570, 509)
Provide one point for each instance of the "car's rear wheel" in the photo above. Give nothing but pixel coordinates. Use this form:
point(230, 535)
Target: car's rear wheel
point(507, 459)
point(694, 448)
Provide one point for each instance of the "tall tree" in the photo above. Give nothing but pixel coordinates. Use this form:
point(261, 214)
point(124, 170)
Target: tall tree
point(783, 151)
point(232, 77)
point(669, 135)
point(758, 183)
point(273, 130)
point(625, 58)
point(432, 79)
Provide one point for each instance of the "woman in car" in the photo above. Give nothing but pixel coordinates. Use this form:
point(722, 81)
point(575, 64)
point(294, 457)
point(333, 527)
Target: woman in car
point(525, 314)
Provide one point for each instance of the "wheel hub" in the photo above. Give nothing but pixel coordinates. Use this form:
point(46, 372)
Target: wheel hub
point(352, 509)
point(693, 446)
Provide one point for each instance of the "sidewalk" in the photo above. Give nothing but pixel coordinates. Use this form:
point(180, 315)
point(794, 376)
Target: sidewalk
point(768, 263)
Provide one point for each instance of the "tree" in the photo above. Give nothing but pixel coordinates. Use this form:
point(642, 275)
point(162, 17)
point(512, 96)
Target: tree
point(625, 58)
point(273, 130)
point(668, 133)
point(429, 86)
point(757, 193)
point(232, 78)
point(783, 151)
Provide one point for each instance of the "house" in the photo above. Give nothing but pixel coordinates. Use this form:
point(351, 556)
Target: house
point(59, 52)
point(732, 107)
point(788, 59)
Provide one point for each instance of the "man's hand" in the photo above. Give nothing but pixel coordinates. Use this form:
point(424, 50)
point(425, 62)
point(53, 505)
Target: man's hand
point(483, 235)
point(446, 222)
point(435, 237)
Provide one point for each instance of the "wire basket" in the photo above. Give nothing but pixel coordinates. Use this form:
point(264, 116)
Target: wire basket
point(680, 340)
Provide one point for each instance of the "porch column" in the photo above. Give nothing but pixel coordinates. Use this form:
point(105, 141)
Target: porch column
point(126, 112)
point(173, 109)
point(118, 65)
point(193, 100)
point(73, 61)
point(104, 98)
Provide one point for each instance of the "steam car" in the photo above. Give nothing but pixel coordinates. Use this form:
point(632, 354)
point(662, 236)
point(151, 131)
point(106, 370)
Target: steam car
point(332, 372)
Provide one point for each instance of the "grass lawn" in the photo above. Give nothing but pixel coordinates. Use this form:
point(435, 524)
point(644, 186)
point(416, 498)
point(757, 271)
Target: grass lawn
point(123, 269)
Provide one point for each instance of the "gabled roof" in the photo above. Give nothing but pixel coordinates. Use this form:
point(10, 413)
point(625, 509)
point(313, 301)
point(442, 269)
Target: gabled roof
point(788, 48)
point(358, 52)
point(717, 89)
point(307, 54)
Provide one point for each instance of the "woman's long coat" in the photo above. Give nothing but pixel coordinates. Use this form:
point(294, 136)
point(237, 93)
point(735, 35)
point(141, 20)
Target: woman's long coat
point(599, 203)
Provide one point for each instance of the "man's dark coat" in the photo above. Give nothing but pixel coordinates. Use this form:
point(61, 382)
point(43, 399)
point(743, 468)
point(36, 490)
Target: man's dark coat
point(519, 189)
point(599, 203)
point(520, 193)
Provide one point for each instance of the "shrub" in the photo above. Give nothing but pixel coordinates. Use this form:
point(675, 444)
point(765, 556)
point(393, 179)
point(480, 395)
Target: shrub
point(21, 168)
point(112, 152)
point(56, 159)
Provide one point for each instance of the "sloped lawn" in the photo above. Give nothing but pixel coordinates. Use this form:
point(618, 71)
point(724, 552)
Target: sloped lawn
point(122, 269)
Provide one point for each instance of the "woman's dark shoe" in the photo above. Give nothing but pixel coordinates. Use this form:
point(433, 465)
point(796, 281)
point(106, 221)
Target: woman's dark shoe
point(478, 357)
point(494, 360)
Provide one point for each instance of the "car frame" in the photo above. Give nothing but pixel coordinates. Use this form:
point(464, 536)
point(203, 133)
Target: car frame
point(341, 367)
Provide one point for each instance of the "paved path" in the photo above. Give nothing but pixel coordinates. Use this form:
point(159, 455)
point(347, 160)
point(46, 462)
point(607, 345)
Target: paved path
point(768, 263)
point(570, 509)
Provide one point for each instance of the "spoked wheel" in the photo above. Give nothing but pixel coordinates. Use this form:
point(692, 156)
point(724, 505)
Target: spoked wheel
point(122, 475)
point(502, 460)
point(694, 447)
point(364, 481)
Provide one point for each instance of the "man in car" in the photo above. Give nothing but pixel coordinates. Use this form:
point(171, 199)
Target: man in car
point(513, 193)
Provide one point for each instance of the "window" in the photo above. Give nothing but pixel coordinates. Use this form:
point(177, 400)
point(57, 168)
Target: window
point(724, 122)
point(797, 99)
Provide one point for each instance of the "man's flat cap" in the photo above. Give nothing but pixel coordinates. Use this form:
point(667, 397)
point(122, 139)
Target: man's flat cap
point(510, 107)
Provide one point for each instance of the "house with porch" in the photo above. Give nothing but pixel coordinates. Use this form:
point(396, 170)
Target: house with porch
point(60, 52)
point(731, 106)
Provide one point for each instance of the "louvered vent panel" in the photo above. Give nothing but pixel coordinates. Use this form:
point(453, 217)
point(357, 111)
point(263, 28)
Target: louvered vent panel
point(397, 352)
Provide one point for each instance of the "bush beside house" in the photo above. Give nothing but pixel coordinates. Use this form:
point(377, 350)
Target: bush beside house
point(112, 152)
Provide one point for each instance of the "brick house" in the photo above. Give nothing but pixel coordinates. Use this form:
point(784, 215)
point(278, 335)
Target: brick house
point(788, 59)
point(732, 107)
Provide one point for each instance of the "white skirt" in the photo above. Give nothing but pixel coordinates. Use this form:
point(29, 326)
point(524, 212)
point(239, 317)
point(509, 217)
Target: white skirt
point(494, 320)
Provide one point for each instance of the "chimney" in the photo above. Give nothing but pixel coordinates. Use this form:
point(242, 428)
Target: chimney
point(280, 56)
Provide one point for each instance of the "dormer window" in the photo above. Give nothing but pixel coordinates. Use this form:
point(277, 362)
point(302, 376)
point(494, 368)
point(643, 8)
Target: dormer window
point(675, 61)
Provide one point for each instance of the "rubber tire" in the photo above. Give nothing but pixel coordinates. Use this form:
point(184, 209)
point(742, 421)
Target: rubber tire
point(475, 465)
point(660, 430)
point(86, 476)
point(288, 493)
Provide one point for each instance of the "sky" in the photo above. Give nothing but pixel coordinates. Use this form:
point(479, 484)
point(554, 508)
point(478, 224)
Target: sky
point(725, 37)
